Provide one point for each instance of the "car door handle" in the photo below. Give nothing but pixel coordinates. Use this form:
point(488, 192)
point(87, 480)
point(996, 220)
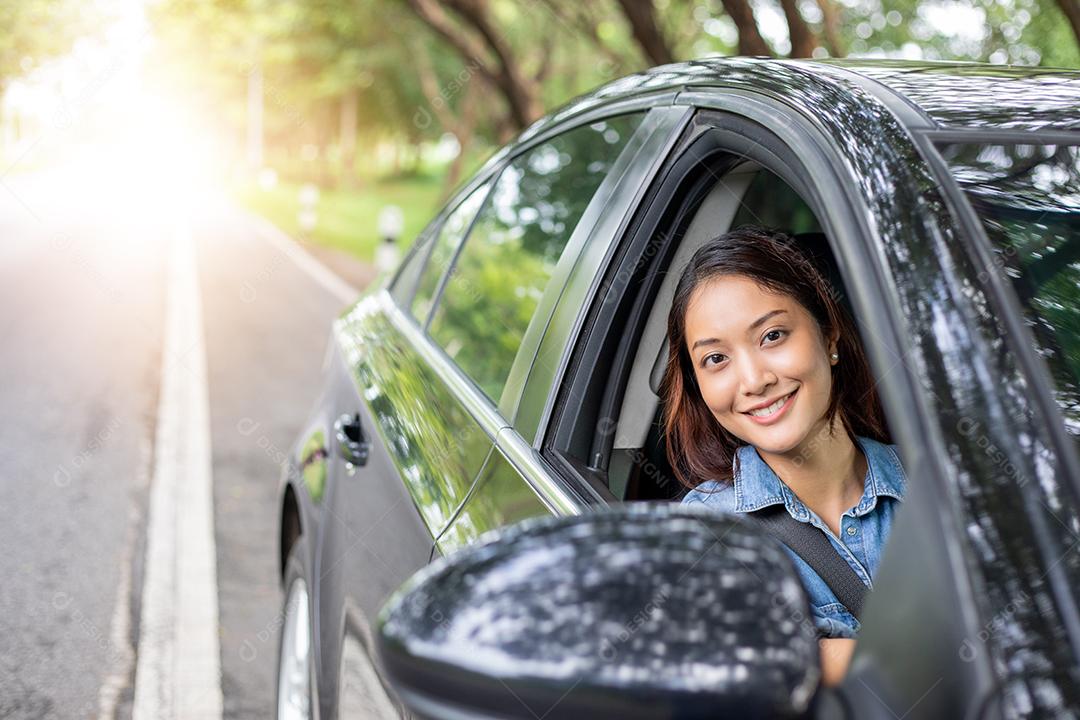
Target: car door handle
point(352, 444)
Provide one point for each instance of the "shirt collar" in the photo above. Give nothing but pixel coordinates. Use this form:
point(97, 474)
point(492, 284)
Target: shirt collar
point(757, 486)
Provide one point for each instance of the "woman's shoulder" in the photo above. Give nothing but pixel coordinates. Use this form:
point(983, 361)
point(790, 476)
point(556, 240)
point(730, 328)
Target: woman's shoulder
point(713, 494)
point(885, 461)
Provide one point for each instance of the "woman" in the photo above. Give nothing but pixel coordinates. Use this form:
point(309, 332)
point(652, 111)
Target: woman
point(770, 404)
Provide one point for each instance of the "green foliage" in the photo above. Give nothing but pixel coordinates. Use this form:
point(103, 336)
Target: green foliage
point(33, 30)
point(1025, 32)
point(312, 53)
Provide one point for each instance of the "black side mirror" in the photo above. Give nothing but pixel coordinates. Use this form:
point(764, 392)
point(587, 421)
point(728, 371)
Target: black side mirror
point(642, 611)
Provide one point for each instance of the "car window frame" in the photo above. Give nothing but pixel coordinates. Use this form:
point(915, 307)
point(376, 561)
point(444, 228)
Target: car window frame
point(436, 296)
point(560, 497)
point(845, 224)
point(425, 239)
point(399, 291)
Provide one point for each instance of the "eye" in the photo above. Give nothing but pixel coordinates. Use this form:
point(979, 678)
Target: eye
point(774, 335)
point(713, 359)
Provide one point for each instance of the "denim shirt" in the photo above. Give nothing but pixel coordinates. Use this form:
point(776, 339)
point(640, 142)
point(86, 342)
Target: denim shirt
point(864, 528)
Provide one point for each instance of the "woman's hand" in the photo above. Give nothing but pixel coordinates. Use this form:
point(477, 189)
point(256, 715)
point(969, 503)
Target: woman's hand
point(835, 658)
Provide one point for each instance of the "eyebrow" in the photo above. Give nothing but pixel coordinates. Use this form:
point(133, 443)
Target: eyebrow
point(753, 326)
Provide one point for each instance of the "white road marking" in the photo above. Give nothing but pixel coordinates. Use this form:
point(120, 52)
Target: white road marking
point(122, 656)
point(321, 274)
point(178, 672)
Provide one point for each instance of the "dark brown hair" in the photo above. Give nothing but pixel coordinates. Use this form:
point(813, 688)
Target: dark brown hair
point(698, 447)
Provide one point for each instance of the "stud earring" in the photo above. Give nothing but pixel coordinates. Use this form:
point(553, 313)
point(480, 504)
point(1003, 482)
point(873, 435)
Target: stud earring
point(834, 357)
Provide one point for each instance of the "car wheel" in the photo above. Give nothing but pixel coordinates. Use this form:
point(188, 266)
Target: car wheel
point(295, 672)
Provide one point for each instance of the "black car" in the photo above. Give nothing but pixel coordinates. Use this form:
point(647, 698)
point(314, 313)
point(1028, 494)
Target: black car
point(509, 370)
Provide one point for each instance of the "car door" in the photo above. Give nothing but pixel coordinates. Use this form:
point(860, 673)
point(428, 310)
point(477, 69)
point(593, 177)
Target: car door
point(404, 449)
point(434, 368)
point(555, 198)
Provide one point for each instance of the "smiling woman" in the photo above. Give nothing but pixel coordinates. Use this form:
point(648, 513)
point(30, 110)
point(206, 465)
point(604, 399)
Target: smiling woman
point(771, 411)
point(756, 322)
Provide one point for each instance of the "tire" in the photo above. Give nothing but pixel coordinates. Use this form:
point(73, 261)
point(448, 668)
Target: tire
point(295, 666)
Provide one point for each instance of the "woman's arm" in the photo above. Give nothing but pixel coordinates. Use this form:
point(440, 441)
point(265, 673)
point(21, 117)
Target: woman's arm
point(835, 657)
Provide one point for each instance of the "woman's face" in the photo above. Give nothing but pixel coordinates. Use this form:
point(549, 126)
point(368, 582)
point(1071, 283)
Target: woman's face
point(761, 362)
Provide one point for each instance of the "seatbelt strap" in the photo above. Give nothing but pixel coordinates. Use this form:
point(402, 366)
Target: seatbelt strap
point(813, 546)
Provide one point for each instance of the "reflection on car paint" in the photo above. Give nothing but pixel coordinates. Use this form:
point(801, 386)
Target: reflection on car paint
point(313, 457)
point(437, 446)
point(500, 498)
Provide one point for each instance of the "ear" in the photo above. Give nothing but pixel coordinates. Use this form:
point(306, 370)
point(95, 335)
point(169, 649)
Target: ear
point(833, 343)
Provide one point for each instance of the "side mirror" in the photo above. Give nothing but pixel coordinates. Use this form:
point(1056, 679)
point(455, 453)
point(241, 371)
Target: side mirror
point(640, 611)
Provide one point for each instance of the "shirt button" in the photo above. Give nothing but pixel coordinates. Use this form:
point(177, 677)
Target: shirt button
point(851, 530)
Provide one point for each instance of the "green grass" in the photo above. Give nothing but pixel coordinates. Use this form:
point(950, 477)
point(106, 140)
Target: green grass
point(348, 219)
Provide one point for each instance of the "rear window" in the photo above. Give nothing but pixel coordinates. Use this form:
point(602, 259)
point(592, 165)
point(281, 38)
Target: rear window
point(515, 244)
point(1028, 199)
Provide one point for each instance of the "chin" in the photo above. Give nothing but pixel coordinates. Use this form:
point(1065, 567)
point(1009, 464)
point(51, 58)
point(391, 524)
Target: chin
point(775, 441)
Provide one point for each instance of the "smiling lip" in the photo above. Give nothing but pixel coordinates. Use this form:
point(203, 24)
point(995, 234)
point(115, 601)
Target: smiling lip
point(770, 419)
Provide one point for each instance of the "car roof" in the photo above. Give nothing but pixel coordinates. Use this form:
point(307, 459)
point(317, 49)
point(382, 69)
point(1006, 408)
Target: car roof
point(942, 95)
point(976, 95)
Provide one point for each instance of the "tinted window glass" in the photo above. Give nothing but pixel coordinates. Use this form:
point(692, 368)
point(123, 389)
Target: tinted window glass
point(447, 242)
point(515, 244)
point(1028, 199)
point(1021, 508)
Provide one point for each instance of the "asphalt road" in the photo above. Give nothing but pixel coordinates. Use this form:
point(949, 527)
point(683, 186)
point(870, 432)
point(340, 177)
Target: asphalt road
point(82, 307)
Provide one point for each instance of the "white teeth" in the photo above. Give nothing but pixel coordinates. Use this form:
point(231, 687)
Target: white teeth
point(767, 411)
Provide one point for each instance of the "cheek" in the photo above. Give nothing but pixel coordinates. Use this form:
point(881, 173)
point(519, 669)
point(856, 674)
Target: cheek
point(717, 392)
point(804, 361)
point(814, 371)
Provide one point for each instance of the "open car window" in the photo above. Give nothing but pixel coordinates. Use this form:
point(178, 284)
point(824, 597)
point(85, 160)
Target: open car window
point(626, 456)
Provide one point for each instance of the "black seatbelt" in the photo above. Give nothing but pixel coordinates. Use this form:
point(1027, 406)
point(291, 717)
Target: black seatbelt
point(813, 546)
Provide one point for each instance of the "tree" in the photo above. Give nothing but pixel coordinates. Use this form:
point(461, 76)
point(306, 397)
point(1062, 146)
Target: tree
point(641, 16)
point(462, 126)
point(803, 41)
point(1071, 10)
point(750, 40)
point(33, 30)
point(485, 48)
point(346, 75)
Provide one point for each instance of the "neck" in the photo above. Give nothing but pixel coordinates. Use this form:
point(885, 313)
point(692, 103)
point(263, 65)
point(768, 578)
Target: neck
point(826, 471)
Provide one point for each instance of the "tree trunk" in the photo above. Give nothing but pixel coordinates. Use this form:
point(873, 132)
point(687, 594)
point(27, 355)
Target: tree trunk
point(642, 19)
point(522, 91)
point(462, 125)
point(580, 19)
point(350, 110)
point(522, 94)
point(255, 118)
point(750, 40)
point(1071, 8)
point(457, 166)
point(831, 21)
point(802, 40)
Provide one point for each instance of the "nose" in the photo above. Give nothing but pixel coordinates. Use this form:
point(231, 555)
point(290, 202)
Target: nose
point(754, 376)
